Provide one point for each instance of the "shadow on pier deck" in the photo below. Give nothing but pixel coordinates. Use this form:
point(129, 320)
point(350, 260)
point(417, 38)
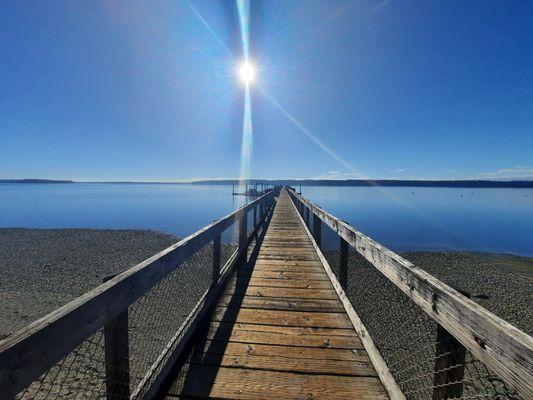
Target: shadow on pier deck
point(256, 306)
point(279, 329)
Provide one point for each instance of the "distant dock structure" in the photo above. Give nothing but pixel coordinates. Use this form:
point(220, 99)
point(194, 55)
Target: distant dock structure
point(256, 189)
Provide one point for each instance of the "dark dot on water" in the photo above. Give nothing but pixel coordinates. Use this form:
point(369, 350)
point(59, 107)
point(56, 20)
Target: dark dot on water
point(412, 192)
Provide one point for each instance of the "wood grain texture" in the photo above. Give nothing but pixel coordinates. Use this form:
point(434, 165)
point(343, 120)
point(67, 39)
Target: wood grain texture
point(285, 292)
point(282, 317)
point(240, 383)
point(279, 330)
point(382, 369)
point(273, 303)
point(30, 352)
point(293, 352)
point(503, 348)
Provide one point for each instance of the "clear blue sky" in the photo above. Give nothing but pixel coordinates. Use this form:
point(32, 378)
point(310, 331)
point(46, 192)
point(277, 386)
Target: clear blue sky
point(105, 90)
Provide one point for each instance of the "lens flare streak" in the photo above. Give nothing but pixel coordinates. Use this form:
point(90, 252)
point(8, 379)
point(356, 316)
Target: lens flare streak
point(354, 172)
point(247, 137)
point(243, 7)
point(210, 29)
point(304, 130)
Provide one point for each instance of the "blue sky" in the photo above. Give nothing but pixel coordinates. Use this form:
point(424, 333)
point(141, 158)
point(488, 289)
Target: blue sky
point(121, 90)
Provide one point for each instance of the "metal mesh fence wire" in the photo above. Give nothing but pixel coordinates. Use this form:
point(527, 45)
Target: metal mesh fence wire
point(250, 220)
point(230, 240)
point(152, 322)
point(157, 316)
point(416, 352)
point(80, 375)
point(124, 357)
point(185, 373)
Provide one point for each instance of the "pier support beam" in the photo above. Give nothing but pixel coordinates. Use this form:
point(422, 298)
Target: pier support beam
point(117, 360)
point(243, 234)
point(343, 264)
point(217, 244)
point(449, 366)
point(317, 230)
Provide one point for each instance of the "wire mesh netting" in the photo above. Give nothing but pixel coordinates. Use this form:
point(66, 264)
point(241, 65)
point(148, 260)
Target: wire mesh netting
point(212, 335)
point(79, 375)
point(425, 360)
point(230, 241)
point(124, 358)
point(251, 218)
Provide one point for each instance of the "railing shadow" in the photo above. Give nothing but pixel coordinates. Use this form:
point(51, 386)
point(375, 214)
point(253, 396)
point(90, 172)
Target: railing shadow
point(209, 345)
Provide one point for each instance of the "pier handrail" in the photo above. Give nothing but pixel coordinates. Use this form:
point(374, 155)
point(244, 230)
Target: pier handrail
point(503, 348)
point(28, 353)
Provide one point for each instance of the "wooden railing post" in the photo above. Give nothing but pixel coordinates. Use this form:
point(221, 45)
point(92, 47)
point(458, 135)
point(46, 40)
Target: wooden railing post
point(449, 366)
point(317, 230)
point(217, 245)
point(255, 216)
point(262, 209)
point(117, 360)
point(343, 264)
point(243, 233)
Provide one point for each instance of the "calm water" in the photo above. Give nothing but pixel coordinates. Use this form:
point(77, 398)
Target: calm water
point(488, 220)
point(493, 220)
point(177, 209)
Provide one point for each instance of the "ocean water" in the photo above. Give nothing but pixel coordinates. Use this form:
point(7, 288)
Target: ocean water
point(488, 220)
point(420, 219)
point(177, 209)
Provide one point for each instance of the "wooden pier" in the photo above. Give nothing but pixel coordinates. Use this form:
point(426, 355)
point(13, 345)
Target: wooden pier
point(270, 318)
point(280, 330)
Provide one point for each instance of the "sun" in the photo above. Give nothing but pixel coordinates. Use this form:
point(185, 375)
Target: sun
point(247, 72)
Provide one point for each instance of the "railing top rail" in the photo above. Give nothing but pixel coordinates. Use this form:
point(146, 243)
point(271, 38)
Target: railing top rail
point(505, 349)
point(32, 350)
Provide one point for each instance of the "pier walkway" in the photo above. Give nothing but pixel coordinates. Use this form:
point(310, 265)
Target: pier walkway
point(280, 330)
point(277, 300)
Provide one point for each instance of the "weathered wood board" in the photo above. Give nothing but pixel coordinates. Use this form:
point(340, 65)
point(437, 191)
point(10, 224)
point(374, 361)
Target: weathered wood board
point(279, 330)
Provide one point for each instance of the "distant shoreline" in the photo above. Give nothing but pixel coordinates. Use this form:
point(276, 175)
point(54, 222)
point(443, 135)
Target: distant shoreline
point(522, 184)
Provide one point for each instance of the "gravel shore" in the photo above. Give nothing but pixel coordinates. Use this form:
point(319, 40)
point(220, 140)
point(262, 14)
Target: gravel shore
point(406, 337)
point(44, 269)
point(490, 280)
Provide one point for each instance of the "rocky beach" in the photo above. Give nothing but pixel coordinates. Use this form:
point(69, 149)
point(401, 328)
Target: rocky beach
point(44, 269)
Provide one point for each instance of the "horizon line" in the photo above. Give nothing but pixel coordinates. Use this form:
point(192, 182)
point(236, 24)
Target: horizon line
point(237, 180)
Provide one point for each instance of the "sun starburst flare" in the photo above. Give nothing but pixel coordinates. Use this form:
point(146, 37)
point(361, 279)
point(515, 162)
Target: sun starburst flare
point(247, 72)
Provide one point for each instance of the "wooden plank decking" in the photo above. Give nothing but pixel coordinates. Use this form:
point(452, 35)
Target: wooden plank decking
point(279, 330)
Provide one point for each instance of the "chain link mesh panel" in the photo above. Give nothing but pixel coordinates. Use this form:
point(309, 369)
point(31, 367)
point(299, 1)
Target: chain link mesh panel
point(137, 346)
point(424, 359)
point(211, 334)
point(80, 375)
point(124, 358)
